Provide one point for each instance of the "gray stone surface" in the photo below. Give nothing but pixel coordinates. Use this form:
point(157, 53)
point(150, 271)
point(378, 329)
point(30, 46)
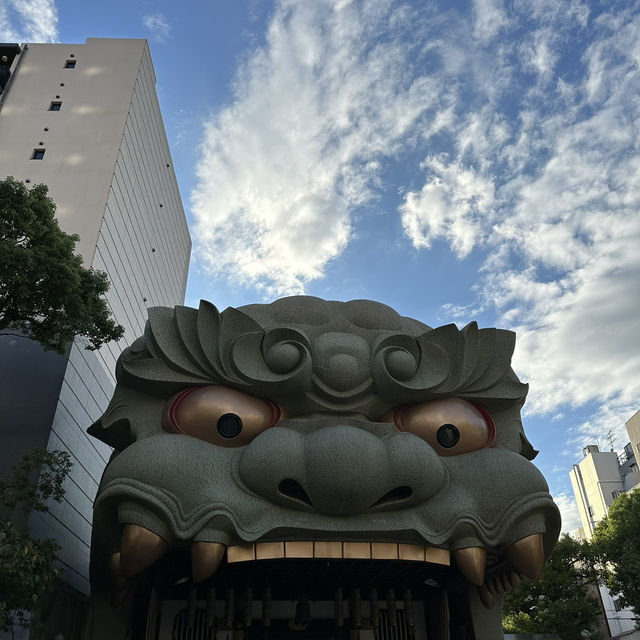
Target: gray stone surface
point(337, 371)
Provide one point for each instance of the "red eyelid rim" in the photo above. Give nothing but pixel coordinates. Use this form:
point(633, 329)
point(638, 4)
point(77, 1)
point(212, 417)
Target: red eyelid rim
point(490, 424)
point(398, 414)
point(276, 413)
point(174, 405)
point(400, 411)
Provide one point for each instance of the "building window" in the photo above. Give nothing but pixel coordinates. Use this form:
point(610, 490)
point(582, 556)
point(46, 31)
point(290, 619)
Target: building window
point(615, 493)
point(70, 64)
point(38, 154)
point(55, 106)
point(616, 604)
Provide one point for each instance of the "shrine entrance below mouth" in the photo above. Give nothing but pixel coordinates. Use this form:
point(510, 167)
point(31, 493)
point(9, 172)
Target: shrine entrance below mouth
point(308, 599)
point(179, 622)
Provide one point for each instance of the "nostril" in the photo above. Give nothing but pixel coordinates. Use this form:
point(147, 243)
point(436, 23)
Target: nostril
point(399, 494)
point(292, 489)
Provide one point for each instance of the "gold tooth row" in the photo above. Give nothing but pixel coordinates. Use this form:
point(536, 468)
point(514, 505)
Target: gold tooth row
point(140, 548)
point(346, 550)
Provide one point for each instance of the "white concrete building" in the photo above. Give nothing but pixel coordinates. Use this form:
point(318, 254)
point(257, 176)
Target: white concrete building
point(633, 430)
point(596, 481)
point(84, 119)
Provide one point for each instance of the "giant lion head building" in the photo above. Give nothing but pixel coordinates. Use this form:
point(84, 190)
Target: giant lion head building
point(314, 469)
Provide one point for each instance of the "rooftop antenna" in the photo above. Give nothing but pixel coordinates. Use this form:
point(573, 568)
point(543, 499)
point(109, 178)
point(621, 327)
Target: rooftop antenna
point(610, 439)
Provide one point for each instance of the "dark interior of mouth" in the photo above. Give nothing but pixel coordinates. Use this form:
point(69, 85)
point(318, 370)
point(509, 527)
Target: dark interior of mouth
point(424, 589)
point(317, 578)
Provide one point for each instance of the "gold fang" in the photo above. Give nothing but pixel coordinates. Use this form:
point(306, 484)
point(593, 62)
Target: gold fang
point(205, 559)
point(139, 549)
point(527, 556)
point(471, 562)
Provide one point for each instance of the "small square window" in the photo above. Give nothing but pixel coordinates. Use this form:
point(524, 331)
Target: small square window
point(38, 154)
point(70, 64)
point(55, 106)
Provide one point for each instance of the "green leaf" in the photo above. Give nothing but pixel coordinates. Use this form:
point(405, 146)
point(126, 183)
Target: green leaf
point(562, 601)
point(28, 563)
point(45, 292)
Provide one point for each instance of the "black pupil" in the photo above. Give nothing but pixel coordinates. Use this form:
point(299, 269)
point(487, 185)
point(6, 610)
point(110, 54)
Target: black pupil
point(448, 436)
point(229, 425)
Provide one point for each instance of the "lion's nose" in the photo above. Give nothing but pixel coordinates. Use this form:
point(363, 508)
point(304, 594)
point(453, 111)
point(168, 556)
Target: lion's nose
point(341, 470)
point(346, 470)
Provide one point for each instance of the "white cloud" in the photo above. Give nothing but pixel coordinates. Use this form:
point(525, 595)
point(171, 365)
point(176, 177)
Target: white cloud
point(489, 18)
point(541, 173)
point(28, 21)
point(553, 198)
point(158, 25)
point(316, 110)
point(605, 427)
point(568, 512)
point(450, 206)
point(539, 51)
point(576, 224)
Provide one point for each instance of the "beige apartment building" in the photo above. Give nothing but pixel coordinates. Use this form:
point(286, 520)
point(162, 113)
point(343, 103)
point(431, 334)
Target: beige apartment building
point(596, 481)
point(633, 430)
point(84, 119)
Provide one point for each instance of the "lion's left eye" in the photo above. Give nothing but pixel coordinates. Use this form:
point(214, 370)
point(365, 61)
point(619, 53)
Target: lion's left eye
point(219, 415)
point(451, 426)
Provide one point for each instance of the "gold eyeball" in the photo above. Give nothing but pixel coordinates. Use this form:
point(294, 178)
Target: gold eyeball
point(219, 415)
point(451, 426)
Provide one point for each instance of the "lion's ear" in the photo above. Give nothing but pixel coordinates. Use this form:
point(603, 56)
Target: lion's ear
point(526, 449)
point(130, 415)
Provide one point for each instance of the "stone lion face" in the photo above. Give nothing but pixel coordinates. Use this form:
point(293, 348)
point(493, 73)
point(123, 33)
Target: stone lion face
point(313, 434)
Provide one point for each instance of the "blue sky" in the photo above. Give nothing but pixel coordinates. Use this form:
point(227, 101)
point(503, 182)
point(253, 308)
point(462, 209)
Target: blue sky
point(456, 160)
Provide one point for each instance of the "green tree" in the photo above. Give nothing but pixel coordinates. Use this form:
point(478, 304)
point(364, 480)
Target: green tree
point(45, 292)
point(562, 601)
point(616, 541)
point(28, 570)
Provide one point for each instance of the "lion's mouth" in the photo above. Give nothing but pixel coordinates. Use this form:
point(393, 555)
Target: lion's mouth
point(320, 569)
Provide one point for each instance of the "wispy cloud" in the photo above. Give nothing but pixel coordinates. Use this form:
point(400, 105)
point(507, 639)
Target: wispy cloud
point(28, 21)
point(315, 113)
point(524, 123)
point(568, 512)
point(158, 25)
point(450, 205)
point(553, 201)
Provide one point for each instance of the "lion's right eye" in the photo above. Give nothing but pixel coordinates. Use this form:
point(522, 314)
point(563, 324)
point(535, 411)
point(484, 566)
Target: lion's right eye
point(219, 415)
point(452, 426)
